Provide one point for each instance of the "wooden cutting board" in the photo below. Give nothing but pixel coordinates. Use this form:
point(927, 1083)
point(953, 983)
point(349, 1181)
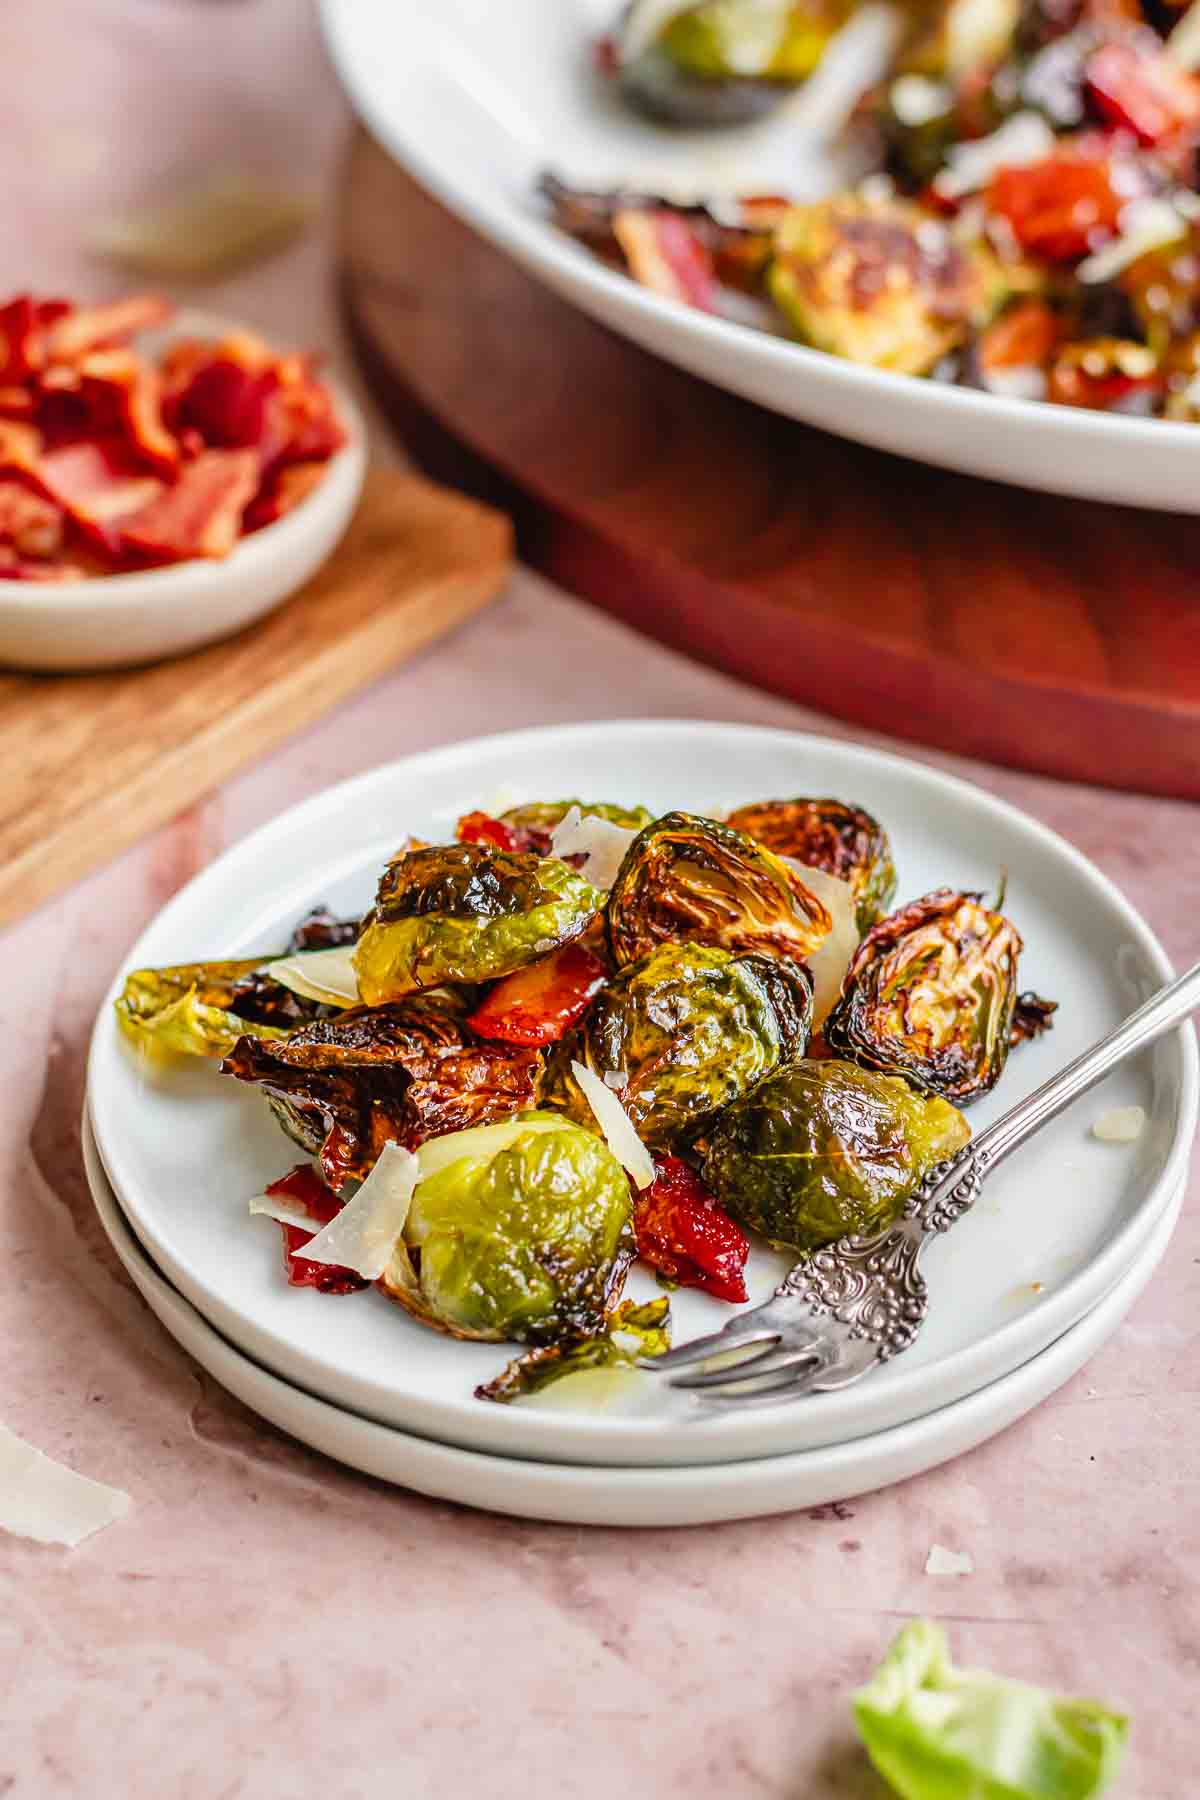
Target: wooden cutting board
point(93, 762)
point(1052, 634)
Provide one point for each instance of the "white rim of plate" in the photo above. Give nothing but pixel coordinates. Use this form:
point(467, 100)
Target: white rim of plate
point(607, 1495)
point(949, 1377)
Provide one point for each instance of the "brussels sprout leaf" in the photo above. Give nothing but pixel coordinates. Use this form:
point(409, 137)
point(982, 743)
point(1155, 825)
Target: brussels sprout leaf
point(935, 1732)
point(633, 1331)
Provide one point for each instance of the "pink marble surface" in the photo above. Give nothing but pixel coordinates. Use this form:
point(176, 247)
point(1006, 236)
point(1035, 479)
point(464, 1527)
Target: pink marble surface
point(266, 1624)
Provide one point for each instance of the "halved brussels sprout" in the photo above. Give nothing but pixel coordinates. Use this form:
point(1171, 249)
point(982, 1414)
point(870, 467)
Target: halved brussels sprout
point(931, 994)
point(543, 815)
point(722, 62)
point(342, 1087)
point(819, 1150)
point(826, 834)
point(519, 1230)
point(682, 1032)
point(633, 1331)
point(193, 1009)
point(881, 281)
point(691, 879)
point(466, 913)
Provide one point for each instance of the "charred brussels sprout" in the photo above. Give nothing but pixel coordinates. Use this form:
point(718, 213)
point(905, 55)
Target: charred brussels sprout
point(721, 62)
point(685, 1030)
point(881, 281)
point(543, 815)
point(822, 1149)
point(466, 913)
point(931, 994)
point(517, 1230)
point(633, 1331)
point(686, 878)
point(826, 834)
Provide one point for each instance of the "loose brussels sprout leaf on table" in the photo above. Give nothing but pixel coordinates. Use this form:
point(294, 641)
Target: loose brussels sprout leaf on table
point(721, 62)
point(681, 1033)
point(937, 1732)
point(192, 1009)
point(693, 879)
point(342, 1087)
point(466, 913)
point(633, 1331)
point(826, 834)
point(819, 1150)
point(931, 994)
point(519, 1230)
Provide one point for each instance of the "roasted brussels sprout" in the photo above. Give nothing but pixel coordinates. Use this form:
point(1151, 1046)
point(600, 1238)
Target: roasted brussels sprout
point(322, 930)
point(202, 1009)
point(682, 1032)
point(519, 1230)
point(531, 825)
point(931, 994)
point(466, 913)
point(822, 1149)
point(881, 281)
point(722, 62)
point(826, 834)
point(342, 1087)
point(687, 878)
point(633, 1331)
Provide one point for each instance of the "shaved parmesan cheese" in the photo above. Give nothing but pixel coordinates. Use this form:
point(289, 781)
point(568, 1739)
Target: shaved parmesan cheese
point(1025, 138)
point(941, 1561)
point(614, 1122)
point(481, 1141)
point(45, 1501)
point(1145, 224)
point(324, 975)
point(915, 99)
point(831, 959)
point(364, 1234)
point(1183, 41)
point(1120, 1125)
point(272, 1206)
point(601, 843)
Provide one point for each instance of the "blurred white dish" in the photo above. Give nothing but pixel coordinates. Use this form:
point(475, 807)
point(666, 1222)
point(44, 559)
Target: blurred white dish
point(574, 1495)
point(185, 1148)
point(114, 621)
point(476, 100)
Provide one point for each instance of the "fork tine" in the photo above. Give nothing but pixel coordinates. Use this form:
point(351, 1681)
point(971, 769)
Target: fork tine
point(794, 1384)
point(751, 1369)
point(734, 1336)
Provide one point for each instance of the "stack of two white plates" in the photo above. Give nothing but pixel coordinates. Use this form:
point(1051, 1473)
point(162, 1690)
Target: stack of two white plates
point(1023, 1291)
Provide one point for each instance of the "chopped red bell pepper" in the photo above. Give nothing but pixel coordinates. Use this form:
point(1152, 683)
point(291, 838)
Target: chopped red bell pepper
point(482, 828)
point(1136, 86)
point(1103, 373)
point(539, 1003)
point(682, 1231)
point(1058, 207)
point(304, 1187)
point(666, 253)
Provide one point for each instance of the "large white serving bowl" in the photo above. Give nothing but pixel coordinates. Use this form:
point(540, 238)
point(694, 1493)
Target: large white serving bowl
point(117, 621)
point(575, 1494)
point(1059, 1224)
point(477, 99)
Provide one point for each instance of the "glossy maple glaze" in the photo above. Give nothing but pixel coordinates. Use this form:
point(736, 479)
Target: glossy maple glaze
point(1045, 633)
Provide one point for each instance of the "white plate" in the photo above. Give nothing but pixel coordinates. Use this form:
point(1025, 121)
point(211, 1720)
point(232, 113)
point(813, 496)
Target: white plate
point(618, 1496)
point(476, 99)
point(186, 1148)
point(115, 621)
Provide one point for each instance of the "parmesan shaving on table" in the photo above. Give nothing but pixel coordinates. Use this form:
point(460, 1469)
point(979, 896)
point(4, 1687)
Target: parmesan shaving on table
point(941, 1561)
point(44, 1500)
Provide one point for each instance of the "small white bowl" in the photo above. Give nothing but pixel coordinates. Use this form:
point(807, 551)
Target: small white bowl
point(114, 621)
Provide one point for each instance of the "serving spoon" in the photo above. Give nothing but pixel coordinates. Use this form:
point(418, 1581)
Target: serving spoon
point(860, 1301)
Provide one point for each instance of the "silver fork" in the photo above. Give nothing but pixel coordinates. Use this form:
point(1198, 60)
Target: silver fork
point(862, 1300)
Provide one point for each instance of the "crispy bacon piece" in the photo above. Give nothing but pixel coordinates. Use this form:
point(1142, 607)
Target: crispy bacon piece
point(283, 493)
point(77, 331)
point(16, 403)
point(1059, 207)
point(681, 1231)
point(24, 323)
point(97, 485)
point(539, 1003)
point(201, 514)
point(18, 568)
point(1135, 85)
point(1022, 338)
point(125, 385)
point(665, 253)
point(304, 1188)
point(29, 523)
